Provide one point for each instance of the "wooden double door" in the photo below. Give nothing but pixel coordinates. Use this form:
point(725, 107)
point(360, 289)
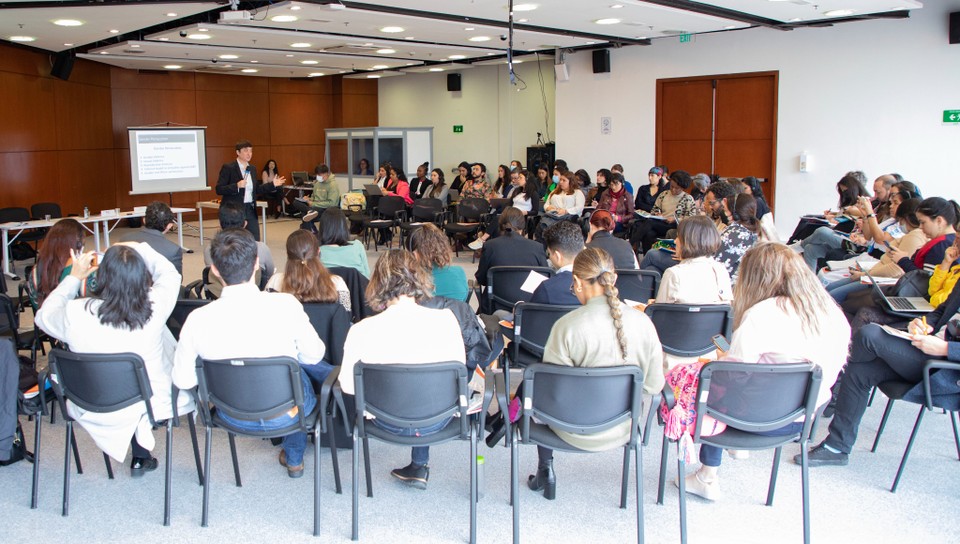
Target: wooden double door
point(723, 125)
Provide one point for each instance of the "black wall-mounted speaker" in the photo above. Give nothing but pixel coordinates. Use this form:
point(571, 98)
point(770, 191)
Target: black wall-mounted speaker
point(601, 61)
point(453, 82)
point(955, 27)
point(62, 65)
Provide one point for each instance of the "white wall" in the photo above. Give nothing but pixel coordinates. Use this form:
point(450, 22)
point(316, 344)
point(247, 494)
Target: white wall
point(499, 122)
point(860, 96)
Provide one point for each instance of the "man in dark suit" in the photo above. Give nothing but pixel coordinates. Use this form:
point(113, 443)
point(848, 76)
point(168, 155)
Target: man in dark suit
point(238, 182)
point(564, 242)
point(511, 248)
point(157, 222)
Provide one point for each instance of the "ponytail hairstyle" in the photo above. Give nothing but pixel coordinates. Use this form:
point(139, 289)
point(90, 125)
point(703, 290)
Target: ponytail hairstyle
point(304, 276)
point(935, 207)
point(743, 207)
point(512, 220)
point(594, 265)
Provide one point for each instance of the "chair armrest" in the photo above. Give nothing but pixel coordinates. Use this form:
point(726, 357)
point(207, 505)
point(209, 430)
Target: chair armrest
point(928, 368)
point(667, 397)
point(338, 398)
point(324, 397)
point(41, 382)
point(489, 388)
point(196, 286)
point(174, 393)
point(655, 401)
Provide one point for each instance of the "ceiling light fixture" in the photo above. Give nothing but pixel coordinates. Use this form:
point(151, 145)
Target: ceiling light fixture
point(373, 76)
point(68, 45)
point(135, 46)
point(525, 7)
point(249, 70)
point(457, 57)
point(730, 27)
point(610, 21)
point(229, 57)
point(616, 6)
point(198, 36)
point(164, 39)
point(838, 13)
point(522, 20)
point(284, 18)
point(171, 14)
point(114, 31)
point(309, 62)
point(173, 67)
point(315, 74)
point(386, 51)
point(300, 44)
point(22, 39)
point(68, 22)
point(469, 28)
point(392, 29)
point(254, 61)
point(480, 39)
point(436, 69)
point(379, 67)
point(409, 38)
point(104, 53)
point(288, 55)
point(294, 8)
point(204, 29)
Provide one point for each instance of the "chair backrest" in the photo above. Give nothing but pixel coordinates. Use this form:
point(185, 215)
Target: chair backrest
point(637, 285)
point(411, 396)
point(687, 330)
point(8, 215)
point(426, 209)
point(470, 210)
point(100, 382)
point(582, 400)
point(180, 312)
point(390, 205)
point(41, 209)
point(9, 324)
point(532, 324)
point(504, 282)
point(755, 397)
point(250, 388)
point(332, 322)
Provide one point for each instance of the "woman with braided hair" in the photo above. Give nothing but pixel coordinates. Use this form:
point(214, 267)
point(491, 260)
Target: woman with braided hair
point(596, 336)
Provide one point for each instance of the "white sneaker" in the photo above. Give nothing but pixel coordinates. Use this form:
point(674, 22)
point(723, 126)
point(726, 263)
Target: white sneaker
point(695, 485)
point(476, 244)
point(310, 216)
point(739, 454)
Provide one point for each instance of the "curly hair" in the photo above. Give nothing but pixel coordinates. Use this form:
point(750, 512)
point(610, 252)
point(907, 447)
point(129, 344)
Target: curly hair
point(397, 273)
point(430, 246)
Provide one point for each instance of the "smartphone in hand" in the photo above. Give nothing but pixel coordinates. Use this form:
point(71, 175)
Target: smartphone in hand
point(721, 343)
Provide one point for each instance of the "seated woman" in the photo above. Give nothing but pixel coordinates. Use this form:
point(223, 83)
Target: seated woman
point(304, 275)
point(363, 168)
point(648, 194)
point(604, 332)
point(601, 237)
point(672, 206)
point(502, 185)
point(700, 183)
point(523, 195)
point(742, 231)
point(780, 308)
point(127, 312)
point(566, 200)
point(618, 202)
point(398, 283)
point(397, 185)
point(751, 186)
point(430, 246)
point(438, 188)
point(336, 246)
point(545, 185)
point(850, 189)
point(596, 192)
point(54, 261)
point(698, 278)
point(421, 183)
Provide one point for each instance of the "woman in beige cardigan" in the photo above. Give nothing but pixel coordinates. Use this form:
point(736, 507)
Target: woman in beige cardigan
point(596, 335)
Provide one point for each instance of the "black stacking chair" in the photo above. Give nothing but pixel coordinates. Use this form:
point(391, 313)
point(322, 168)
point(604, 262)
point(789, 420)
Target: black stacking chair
point(471, 214)
point(180, 312)
point(899, 390)
point(105, 383)
point(425, 210)
point(23, 339)
point(394, 394)
point(257, 389)
point(389, 213)
point(751, 398)
point(687, 330)
point(637, 285)
point(20, 215)
point(580, 401)
point(503, 286)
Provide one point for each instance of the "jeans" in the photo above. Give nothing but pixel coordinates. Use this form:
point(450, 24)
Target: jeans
point(710, 456)
point(875, 357)
point(303, 208)
point(841, 289)
point(419, 455)
point(294, 444)
point(658, 261)
point(818, 244)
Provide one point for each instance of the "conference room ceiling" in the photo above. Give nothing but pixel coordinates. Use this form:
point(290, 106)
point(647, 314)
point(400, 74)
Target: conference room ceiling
point(388, 37)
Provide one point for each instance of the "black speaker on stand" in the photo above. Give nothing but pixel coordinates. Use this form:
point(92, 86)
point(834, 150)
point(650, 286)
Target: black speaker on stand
point(540, 154)
point(62, 65)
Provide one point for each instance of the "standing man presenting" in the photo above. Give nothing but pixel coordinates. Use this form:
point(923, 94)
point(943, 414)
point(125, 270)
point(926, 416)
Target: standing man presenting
point(239, 182)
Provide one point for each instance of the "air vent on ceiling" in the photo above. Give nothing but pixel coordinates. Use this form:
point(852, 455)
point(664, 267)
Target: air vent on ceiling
point(133, 51)
point(352, 48)
point(219, 69)
point(321, 21)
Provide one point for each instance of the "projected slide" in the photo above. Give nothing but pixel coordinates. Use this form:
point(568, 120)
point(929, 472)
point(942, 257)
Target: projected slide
point(165, 160)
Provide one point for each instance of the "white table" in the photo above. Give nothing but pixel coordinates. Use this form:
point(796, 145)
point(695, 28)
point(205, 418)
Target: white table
point(18, 227)
point(107, 228)
point(216, 206)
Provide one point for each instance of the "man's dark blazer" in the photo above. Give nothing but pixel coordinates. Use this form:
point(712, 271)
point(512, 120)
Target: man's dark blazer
point(230, 175)
point(155, 239)
point(509, 249)
point(556, 290)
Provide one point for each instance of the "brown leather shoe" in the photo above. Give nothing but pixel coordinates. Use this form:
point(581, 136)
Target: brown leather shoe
point(294, 471)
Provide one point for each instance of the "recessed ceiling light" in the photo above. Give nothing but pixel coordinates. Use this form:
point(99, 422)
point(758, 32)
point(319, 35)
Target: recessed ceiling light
point(410, 63)
point(368, 44)
point(114, 31)
point(171, 14)
point(68, 45)
point(795, 19)
point(300, 44)
point(204, 29)
point(730, 27)
point(284, 18)
point(518, 62)
point(310, 62)
point(295, 8)
point(616, 6)
point(607, 21)
point(457, 57)
point(315, 74)
point(591, 43)
point(104, 53)
point(386, 51)
point(522, 20)
point(409, 38)
point(480, 39)
point(392, 29)
point(254, 61)
point(22, 39)
point(228, 66)
point(288, 55)
point(525, 7)
point(379, 67)
point(67, 22)
point(436, 69)
point(469, 28)
point(135, 46)
point(173, 67)
point(490, 54)
point(838, 12)
point(249, 70)
point(373, 76)
point(198, 36)
point(229, 57)
point(164, 39)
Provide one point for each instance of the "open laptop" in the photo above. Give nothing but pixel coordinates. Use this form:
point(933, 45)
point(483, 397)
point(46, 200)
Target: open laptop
point(901, 304)
point(299, 178)
point(372, 189)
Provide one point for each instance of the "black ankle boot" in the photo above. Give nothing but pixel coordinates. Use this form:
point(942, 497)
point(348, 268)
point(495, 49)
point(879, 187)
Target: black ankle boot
point(545, 479)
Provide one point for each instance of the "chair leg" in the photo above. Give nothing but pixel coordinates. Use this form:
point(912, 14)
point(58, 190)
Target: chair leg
point(355, 531)
point(236, 463)
point(76, 457)
point(168, 474)
point(906, 453)
point(682, 481)
point(206, 477)
point(625, 476)
point(316, 481)
point(664, 455)
point(196, 447)
point(66, 470)
point(805, 490)
point(639, 470)
point(774, 471)
point(106, 461)
point(651, 413)
point(366, 465)
point(473, 483)
point(515, 487)
point(883, 424)
point(53, 413)
point(956, 436)
point(35, 492)
point(334, 455)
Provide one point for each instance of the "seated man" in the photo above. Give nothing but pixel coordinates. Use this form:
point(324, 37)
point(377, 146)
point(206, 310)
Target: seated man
point(511, 248)
point(232, 216)
point(226, 328)
point(326, 194)
point(157, 222)
point(876, 357)
point(564, 242)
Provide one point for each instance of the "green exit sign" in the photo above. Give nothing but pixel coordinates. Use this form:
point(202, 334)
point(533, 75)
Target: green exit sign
point(951, 117)
point(686, 38)
point(457, 129)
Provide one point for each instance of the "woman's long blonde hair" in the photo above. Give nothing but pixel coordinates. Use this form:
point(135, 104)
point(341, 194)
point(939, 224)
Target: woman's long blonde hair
point(773, 270)
point(595, 265)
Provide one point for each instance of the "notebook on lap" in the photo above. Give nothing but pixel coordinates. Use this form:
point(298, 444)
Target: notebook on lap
point(901, 304)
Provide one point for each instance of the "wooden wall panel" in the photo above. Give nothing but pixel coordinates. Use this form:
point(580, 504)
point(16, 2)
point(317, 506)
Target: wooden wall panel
point(86, 178)
point(745, 108)
point(231, 84)
point(139, 107)
point(83, 116)
point(233, 116)
point(87, 72)
point(740, 158)
point(29, 118)
point(28, 177)
point(294, 157)
point(360, 110)
point(322, 85)
point(687, 110)
point(298, 119)
point(692, 156)
point(20, 60)
point(132, 79)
